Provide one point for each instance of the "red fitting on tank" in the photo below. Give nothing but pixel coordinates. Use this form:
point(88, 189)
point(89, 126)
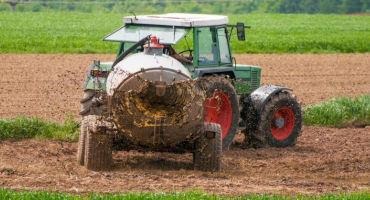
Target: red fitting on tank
point(154, 42)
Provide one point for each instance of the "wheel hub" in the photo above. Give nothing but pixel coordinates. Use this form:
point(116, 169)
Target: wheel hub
point(279, 122)
point(282, 123)
point(217, 109)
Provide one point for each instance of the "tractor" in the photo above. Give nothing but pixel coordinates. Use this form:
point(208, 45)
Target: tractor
point(175, 87)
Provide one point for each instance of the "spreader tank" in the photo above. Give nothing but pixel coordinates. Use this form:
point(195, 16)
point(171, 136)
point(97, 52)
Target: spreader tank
point(151, 67)
point(153, 99)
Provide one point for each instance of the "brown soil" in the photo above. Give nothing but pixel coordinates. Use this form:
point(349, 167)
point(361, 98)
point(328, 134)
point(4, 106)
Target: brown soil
point(324, 160)
point(50, 86)
point(315, 78)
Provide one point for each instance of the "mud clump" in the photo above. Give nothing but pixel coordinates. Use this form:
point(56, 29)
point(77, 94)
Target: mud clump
point(151, 119)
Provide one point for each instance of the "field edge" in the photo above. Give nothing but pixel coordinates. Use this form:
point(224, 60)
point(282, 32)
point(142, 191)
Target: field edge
point(6, 193)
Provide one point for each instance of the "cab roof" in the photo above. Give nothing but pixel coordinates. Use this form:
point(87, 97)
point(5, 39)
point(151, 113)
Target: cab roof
point(178, 20)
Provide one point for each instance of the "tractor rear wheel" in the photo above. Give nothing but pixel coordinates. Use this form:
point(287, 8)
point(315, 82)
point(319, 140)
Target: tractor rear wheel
point(208, 148)
point(221, 106)
point(98, 147)
point(279, 123)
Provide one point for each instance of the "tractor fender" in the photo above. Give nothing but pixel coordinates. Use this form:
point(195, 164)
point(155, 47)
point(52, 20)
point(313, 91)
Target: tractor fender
point(262, 95)
point(253, 104)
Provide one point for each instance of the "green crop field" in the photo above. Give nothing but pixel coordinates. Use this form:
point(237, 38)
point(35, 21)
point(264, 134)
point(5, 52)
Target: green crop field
point(77, 32)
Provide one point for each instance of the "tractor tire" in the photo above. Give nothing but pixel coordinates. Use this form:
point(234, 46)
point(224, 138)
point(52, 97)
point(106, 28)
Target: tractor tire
point(208, 149)
point(89, 106)
point(279, 123)
point(220, 90)
point(82, 142)
point(249, 115)
point(98, 147)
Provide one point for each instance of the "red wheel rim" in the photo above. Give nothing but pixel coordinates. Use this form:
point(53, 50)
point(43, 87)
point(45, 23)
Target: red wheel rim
point(282, 123)
point(217, 109)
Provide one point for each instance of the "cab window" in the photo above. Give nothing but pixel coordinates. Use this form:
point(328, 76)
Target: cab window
point(224, 46)
point(207, 47)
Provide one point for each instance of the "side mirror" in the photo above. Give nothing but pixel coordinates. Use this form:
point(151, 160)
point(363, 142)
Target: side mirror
point(240, 31)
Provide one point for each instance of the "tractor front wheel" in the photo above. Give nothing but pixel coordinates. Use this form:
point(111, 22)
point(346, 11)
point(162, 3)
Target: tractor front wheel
point(279, 123)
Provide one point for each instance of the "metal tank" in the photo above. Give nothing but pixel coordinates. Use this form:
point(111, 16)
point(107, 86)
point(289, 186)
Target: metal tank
point(152, 99)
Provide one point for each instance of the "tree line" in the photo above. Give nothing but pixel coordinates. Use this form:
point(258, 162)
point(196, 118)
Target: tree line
point(192, 6)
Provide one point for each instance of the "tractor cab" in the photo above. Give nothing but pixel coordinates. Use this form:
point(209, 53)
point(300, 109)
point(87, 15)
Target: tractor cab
point(196, 40)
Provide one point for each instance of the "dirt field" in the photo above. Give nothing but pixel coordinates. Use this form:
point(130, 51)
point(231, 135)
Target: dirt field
point(324, 159)
point(50, 86)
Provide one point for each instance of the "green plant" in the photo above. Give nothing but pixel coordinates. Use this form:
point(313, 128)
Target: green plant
point(23, 127)
point(340, 112)
point(189, 195)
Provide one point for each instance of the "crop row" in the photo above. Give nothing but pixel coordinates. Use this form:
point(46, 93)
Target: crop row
point(77, 32)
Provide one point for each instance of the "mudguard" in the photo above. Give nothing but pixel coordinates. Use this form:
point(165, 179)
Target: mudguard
point(261, 95)
point(255, 102)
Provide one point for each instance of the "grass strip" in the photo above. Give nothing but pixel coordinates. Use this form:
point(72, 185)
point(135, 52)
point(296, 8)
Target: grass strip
point(190, 195)
point(339, 112)
point(24, 127)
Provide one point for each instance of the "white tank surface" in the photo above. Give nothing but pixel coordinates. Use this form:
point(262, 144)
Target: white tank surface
point(150, 67)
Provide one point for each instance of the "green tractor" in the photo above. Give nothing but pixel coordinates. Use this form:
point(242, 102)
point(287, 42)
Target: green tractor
point(176, 87)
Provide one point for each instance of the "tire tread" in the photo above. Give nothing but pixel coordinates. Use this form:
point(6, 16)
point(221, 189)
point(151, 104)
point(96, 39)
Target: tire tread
point(261, 136)
point(208, 152)
point(98, 148)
